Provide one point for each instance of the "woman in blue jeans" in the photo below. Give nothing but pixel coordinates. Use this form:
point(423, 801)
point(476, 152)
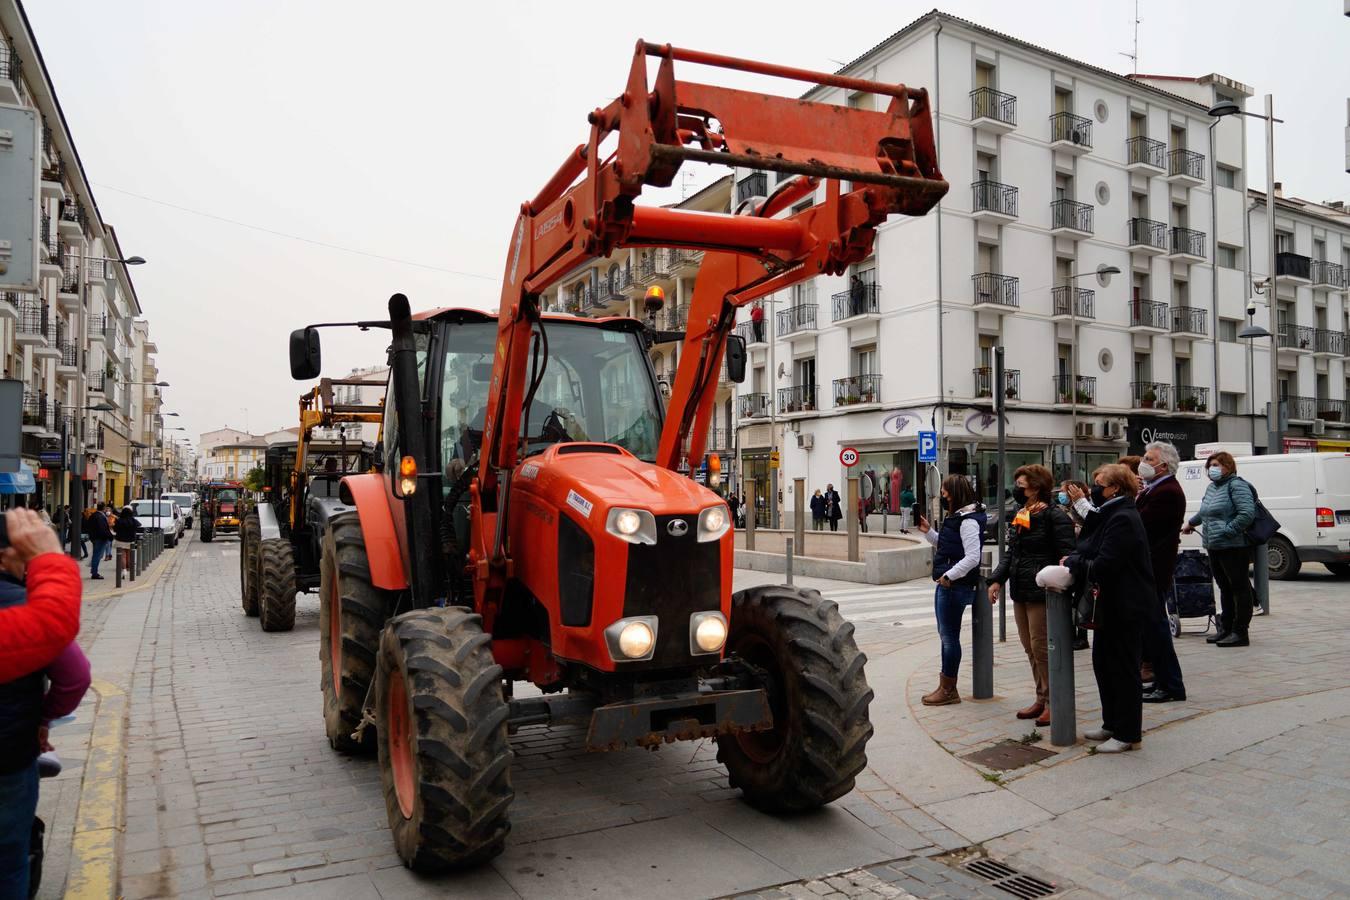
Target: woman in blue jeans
point(956, 569)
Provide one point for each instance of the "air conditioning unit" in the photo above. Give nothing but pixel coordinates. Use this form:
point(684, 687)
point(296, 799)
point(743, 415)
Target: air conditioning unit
point(1319, 426)
point(1114, 431)
point(1077, 136)
point(806, 441)
point(1086, 430)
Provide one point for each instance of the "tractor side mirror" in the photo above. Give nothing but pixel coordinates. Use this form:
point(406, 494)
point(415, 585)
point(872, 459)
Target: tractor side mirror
point(736, 358)
point(305, 355)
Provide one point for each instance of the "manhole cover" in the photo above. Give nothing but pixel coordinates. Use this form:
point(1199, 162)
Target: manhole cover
point(1009, 880)
point(1008, 755)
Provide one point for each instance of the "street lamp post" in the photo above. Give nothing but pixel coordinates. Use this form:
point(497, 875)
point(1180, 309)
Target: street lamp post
point(1274, 440)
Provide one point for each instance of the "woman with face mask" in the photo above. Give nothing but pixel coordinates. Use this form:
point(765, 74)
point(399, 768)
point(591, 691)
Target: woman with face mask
point(956, 569)
point(1041, 535)
point(1224, 517)
point(1114, 557)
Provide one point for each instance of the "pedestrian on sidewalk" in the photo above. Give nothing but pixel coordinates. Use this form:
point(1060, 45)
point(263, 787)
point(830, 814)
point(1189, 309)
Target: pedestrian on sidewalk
point(1162, 509)
point(817, 510)
point(102, 537)
point(956, 569)
point(734, 507)
point(110, 516)
point(833, 510)
point(125, 532)
point(1113, 560)
point(1225, 514)
point(1041, 535)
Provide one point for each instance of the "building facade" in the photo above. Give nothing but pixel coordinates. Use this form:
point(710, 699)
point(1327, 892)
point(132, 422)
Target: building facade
point(1094, 230)
point(71, 343)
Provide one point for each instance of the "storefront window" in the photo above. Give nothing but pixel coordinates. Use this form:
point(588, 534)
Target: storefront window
point(890, 473)
point(755, 465)
point(988, 483)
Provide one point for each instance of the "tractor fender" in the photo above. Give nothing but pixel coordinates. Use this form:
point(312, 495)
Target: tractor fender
point(268, 526)
point(383, 553)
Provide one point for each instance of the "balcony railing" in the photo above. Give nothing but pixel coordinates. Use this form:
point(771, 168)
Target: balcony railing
point(12, 299)
point(1148, 314)
point(798, 398)
point(719, 439)
point(34, 317)
point(987, 103)
point(992, 288)
point(1303, 409)
point(753, 406)
point(1145, 151)
point(1188, 241)
point(754, 185)
point(1293, 265)
point(859, 300)
point(1187, 163)
point(1084, 392)
point(857, 389)
point(801, 317)
point(55, 170)
point(1190, 320)
point(752, 336)
point(1297, 337)
point(990, 196)
point(653, 266)
point(1328, 273)
point(69, 354)
point(1074, 301)
point(100, 382)
point(1331, 410)
point(675, 318)
point(682, 256)
point(1148, 233)
point(984, 382)
point(70, 273)
point(37, 410)
point(11, 66)
point(1071, 214)
point(1074, 129)
point(72, 212)
point(1327, 341)
point(1192, 398)
point(1149, 394)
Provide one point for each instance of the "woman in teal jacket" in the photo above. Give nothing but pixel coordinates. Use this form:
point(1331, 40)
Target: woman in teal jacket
point(1225, 515)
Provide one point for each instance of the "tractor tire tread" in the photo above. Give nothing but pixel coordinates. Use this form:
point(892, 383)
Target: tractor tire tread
point(363, 614)
point(248, 570)
point(276, 581)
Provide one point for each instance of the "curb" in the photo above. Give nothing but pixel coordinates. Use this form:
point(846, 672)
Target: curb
point(94, 858)
point(146, 581)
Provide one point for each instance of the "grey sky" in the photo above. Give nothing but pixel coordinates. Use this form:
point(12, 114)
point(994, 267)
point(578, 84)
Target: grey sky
point(414, 131)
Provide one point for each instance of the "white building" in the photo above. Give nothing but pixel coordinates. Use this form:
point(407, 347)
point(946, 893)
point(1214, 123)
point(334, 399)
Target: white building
point(1058, 169)
point(370, 394)
point(71, 342)
point(1312, 269)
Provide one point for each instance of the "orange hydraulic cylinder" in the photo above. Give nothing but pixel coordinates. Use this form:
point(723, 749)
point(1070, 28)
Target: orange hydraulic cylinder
point(686, 227)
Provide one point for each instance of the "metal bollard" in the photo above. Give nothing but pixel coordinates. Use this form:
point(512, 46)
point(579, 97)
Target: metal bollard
point(788, 561)
point(750, 518)
point(1059, 625)
point(127, 557)
point(117, 567)
point(1261, 577)
point(982, 639)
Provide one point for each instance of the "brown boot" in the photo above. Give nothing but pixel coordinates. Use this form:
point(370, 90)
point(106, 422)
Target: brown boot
point(1031, 711)
point(945, 693)
point(1043, 720)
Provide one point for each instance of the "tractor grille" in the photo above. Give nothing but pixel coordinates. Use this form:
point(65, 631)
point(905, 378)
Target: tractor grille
point(671, 580)
point(576, 572)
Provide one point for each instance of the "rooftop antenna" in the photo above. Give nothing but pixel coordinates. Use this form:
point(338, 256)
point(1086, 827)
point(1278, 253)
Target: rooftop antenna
point(1134, 57)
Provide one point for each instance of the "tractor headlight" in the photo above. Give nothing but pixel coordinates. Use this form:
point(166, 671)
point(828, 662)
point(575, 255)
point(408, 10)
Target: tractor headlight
point(713, 522)
point(632, 639)
point(707, 632)
point(636, 526)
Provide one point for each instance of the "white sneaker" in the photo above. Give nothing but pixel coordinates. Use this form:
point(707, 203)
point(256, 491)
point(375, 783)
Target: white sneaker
point(1115, 746)
point(1097, 734)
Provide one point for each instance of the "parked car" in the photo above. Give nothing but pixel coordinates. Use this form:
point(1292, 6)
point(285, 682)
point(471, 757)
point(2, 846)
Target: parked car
point(1308, 493)
point(185, 503)
point(162, 515)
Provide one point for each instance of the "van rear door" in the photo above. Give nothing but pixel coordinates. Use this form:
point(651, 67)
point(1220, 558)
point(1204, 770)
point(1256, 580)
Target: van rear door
point(1334, 494)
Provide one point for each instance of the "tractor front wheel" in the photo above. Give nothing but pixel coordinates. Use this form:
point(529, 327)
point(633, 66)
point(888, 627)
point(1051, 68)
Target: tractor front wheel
point(813, 673)
point(248, 563)
point(351, 613)
point(441, 723)
point(276, 585)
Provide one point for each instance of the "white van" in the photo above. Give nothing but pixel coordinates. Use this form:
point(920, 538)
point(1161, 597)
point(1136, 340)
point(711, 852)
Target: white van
point(1308, 493)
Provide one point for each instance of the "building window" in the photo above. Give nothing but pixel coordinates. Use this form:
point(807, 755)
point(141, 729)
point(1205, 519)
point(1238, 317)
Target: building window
point(1228, 329)
point(1230, 404)
point(1284, 242)
point(865, 360)
point(1228, 257)
point(1226, 176)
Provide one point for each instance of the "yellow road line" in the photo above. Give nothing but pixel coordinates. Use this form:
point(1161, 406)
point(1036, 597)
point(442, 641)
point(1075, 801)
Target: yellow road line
point(98, 821)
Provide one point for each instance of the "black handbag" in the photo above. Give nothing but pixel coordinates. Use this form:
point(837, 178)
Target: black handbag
point(1085, 604)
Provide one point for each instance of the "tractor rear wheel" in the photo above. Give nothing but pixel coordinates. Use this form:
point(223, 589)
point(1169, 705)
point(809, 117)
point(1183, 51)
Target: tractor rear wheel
point(248, 563)
point(818, 693)
point(441, 723)
point(276, 585)
point(352, 611)
point(207, 532)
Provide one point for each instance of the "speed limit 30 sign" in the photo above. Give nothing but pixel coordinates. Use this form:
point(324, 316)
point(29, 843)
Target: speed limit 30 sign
point(848, 456)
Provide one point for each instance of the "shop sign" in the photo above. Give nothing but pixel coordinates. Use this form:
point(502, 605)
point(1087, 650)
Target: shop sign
point(1183, 433)
point(905, 423)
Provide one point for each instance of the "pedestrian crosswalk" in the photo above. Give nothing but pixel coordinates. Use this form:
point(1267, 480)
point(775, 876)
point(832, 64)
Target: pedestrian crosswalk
point(909, 604)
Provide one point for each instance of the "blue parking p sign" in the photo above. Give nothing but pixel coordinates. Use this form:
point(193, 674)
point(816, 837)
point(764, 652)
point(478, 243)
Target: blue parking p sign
point(927, 446)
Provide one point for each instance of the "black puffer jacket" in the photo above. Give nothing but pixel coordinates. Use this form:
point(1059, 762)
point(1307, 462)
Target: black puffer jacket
point(1049, 539)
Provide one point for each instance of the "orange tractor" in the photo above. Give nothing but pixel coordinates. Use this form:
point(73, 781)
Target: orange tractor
point(530, 521)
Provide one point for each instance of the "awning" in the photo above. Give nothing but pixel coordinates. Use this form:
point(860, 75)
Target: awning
point(20, 482)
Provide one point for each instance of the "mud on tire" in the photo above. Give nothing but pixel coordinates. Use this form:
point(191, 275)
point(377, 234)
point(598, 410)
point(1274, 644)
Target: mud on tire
point(352, 612)
point(248, 563)
point(276, 585)
point(445, 761)
point(818, 693)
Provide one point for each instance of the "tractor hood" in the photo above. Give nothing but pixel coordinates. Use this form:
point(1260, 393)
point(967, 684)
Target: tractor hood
point(591, 478)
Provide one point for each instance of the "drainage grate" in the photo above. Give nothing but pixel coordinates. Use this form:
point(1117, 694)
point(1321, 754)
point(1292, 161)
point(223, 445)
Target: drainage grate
point(1009, 880)
point(1007, 755)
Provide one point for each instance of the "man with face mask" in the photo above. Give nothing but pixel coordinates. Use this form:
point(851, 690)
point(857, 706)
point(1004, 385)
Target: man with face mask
point(1162, 508)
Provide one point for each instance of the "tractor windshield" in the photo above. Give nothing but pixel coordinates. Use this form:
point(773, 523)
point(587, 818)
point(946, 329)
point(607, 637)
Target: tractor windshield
point(596, 387)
